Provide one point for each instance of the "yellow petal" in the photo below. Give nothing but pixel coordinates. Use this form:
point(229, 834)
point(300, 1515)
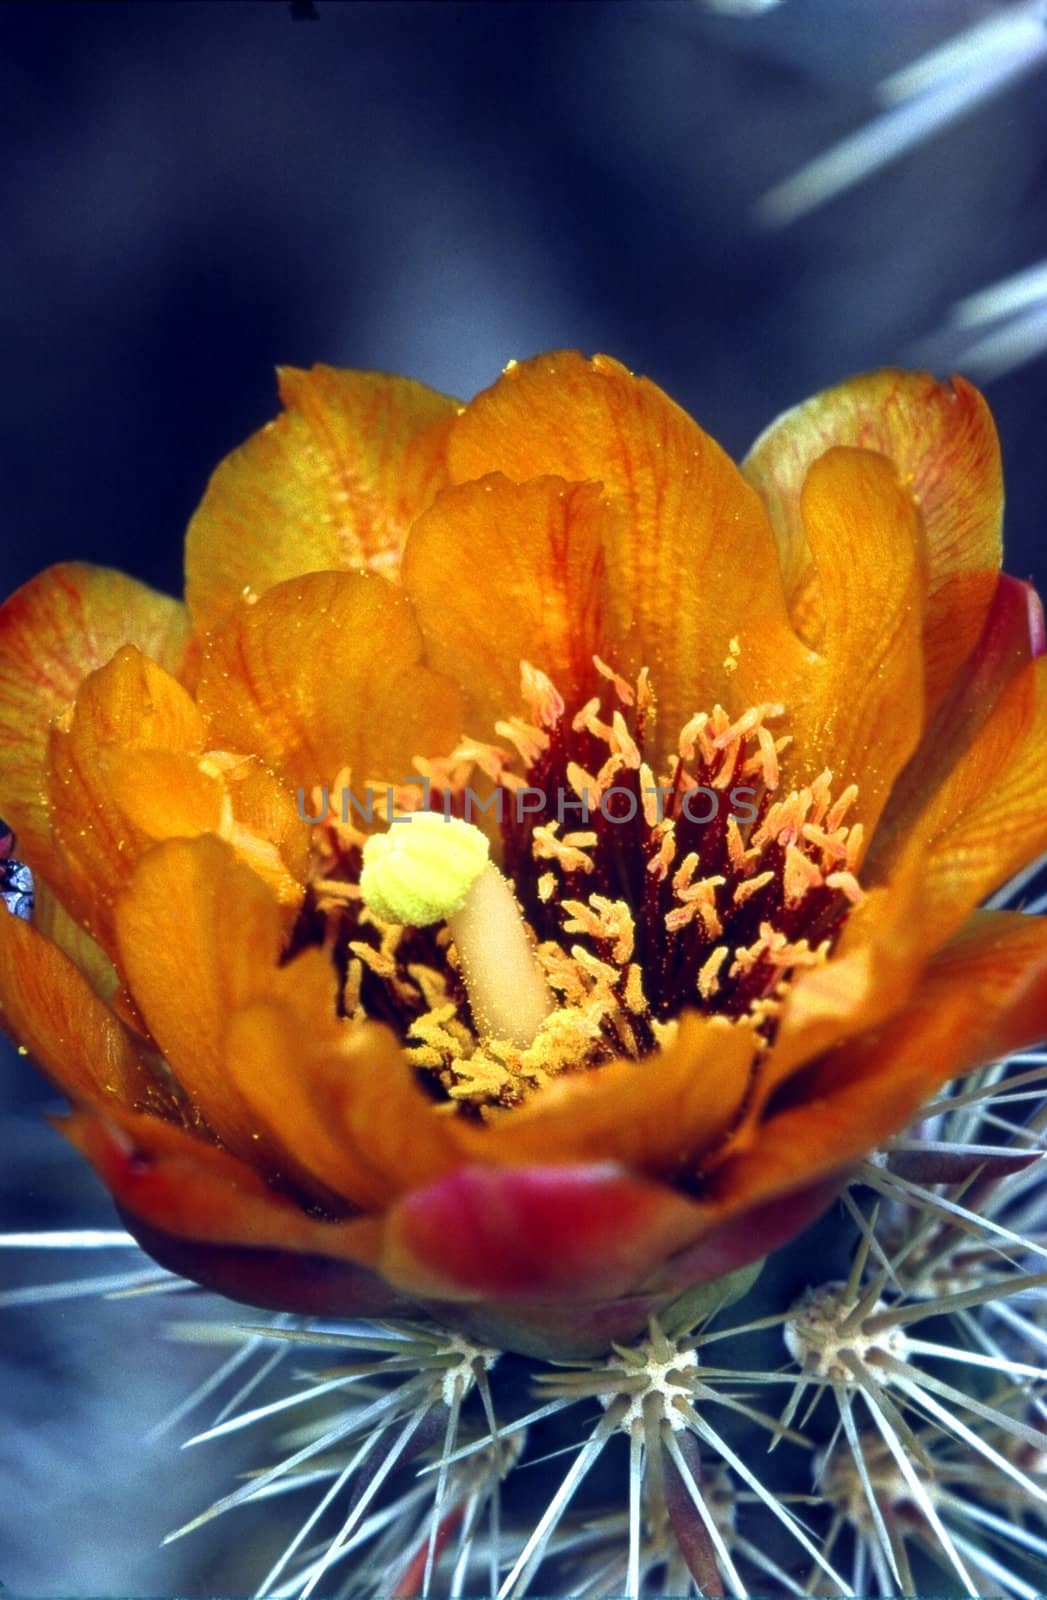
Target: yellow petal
point(982, 996)
point(656, 1116)
point(342, 1099)
point(199, 935)
point(130, 703)
point(1006, 647)
point(691, 552)
point(48, 1006)
point(989, 818)
point(537, 588)
point(54, 631)
point(942, 441)
point(334, 483)
point(859, 711)
point(325, 672)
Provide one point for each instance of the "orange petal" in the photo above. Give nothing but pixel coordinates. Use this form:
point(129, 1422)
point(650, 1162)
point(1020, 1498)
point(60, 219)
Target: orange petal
point(868, 977)
point(942, 441)
point(54, 631)
point(322, 673)
point(341, 1099)
point(656, 1116)
point(1012, 637)
point(537, 588)
point(333, 484)
point(49, 1007)
point(988, 819)
point(692, 551)
point(165, 794)
point(984, 822)
point(860, 711)
point(266, 820)
point(51, 918)
point(171, 1181)
point(199, 935)
point(984, 995)
point(130, 703)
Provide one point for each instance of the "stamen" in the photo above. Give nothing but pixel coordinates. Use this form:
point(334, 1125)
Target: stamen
point(682, 897)
point(436, 869)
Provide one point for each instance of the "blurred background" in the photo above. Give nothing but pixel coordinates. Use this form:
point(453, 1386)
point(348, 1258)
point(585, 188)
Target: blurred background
point(196, 191)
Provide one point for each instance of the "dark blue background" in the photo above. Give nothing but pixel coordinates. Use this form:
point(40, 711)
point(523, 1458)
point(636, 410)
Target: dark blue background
point(193, 192)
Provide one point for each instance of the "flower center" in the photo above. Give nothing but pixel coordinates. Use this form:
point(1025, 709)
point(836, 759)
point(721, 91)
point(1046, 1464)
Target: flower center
point(635, 893)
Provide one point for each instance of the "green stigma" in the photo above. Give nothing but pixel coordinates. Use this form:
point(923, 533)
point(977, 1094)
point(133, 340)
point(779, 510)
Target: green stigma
point(422, 870)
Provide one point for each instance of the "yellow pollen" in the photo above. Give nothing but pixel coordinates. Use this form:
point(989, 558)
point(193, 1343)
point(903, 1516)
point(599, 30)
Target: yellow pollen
point(659, 865)
point(634, 997)
point(624, 743)
point(749, 886)
point(847, 884)
point(649, 799)
point(569, 855)
point(529, 740)
point(621, 688)
point(685, 872)
point(838, 811)
point(584, 785)
point(539, 695)
point(709, 976)
point(800, 875)
point(689, 733)
point(587, 721)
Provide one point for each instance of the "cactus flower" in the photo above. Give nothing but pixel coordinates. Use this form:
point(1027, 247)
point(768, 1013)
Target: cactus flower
point(540, 856)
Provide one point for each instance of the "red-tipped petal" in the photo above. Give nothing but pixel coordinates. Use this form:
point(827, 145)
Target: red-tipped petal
point(585, 1232)
point(275, 1279)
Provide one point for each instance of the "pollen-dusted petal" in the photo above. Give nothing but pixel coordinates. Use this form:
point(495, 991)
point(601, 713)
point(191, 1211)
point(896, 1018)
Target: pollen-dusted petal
point(655, 1116)
point(199, 935)
point(264, 809)
point(325, 672)
point(60, 928)
point(577, 1232)
point(47, 1004)
point(692, 553)
point(130, 703)
point(860, 712)
point(982, 996)
point(537, 587)
point(55, 630)
point(1011, 638)
point(163, 1177)
point(942, 441)
point(167, 794)
point(870, 974)
point(340, 1098)
point(988, 819)
point(163, 793)
point(333, 484)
